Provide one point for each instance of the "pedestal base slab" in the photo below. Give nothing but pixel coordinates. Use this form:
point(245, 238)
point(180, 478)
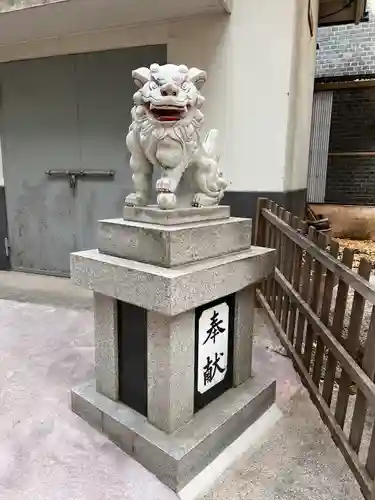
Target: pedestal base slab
point(178, 457)
point(173, 246)
point(154, 215)
point(170, 291)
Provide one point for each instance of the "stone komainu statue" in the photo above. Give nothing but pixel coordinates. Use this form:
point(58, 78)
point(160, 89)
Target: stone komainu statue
point(164, 133)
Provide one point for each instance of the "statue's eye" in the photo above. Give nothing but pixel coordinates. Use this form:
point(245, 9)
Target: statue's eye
point(185, 86)
point(153, 85)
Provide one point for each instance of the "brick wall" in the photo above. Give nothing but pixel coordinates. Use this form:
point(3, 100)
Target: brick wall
point(351, 180)
point(353, 120)
point(347, 50)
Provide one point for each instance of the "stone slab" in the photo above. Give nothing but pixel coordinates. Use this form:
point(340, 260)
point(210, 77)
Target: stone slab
point(170, 291)
point(243, 334)
point(170, 369)
point(155, 215)
point(177, 458)
point(106, 345)
point(171, 246)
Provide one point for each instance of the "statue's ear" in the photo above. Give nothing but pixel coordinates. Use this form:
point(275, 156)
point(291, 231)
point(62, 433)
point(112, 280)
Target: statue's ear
point(198, 77)
point(141, 76)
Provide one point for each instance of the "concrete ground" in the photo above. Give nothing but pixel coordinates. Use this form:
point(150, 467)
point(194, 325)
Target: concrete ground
point(47, 453)
point(298, 461)
point(40, 289)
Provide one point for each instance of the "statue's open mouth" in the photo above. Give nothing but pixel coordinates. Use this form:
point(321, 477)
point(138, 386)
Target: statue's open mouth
point(168, 113)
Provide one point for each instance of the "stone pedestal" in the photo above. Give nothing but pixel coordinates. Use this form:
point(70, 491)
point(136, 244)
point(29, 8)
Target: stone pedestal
point(174, 300)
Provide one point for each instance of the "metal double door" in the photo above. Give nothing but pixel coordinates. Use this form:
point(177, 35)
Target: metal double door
point(63, 126)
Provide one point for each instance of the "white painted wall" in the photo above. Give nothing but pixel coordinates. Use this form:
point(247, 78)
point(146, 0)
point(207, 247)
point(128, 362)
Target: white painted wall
point(259, 93)
point(249, 59)
point(303, 70)
point(261, 66)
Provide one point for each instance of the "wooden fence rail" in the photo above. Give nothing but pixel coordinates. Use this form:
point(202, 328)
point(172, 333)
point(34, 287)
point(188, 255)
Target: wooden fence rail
point(309, 318)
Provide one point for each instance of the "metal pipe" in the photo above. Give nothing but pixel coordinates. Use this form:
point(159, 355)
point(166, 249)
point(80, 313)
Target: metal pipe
point(354, 153)
point(81, 173)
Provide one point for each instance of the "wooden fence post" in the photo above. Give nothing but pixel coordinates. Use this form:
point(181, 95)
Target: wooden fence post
point(259, 233)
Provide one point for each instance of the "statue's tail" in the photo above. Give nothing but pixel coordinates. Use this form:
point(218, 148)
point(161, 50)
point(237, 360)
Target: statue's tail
point(209, 179)
point(211, 144)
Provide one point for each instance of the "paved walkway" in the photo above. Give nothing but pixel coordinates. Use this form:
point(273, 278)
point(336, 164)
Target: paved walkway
point(298, 461)
point(47, 453)
point(41, 289)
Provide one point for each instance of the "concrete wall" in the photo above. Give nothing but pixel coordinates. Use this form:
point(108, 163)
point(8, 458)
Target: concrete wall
point(348, 49)
point(302, 76)
point(266, 135)
point(257, 105)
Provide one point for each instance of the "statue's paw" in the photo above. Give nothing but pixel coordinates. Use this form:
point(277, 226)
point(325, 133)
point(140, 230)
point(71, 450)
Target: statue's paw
point(167, 201)
point(165, 185)
point(222, 183)
point(135, 200)
point(202, 200)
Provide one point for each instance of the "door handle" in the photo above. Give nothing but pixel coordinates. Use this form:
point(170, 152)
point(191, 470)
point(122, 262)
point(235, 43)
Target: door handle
point(73, 175)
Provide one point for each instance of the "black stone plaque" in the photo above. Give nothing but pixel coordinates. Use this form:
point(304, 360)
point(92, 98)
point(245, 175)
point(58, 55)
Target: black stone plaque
point(214, 339)
point(132, 351)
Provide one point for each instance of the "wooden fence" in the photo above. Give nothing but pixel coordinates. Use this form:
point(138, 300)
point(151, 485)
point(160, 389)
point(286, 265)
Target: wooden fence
point(323, 332)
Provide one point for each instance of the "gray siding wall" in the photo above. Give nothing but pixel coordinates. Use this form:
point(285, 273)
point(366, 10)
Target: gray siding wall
point(65, 113)
point(319, 145)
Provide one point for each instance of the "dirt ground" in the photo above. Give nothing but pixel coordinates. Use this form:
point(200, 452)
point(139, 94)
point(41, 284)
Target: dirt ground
point(362, 248)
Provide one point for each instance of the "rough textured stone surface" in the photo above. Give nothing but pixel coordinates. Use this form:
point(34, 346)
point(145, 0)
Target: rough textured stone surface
point(347, 49)
point(243, 334)
point(9, 5)
point(177, 458)
point(189, 162)
point(154, 215)
point(170, 291)
point(170, 370)
point(171, 246)
point(106, 345)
